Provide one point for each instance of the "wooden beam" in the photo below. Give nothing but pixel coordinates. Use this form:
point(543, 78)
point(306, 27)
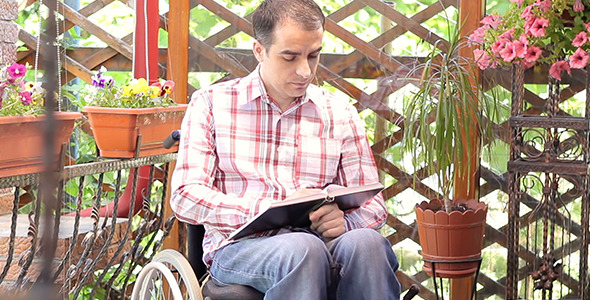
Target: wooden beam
point(178, 22)
point(178, 34)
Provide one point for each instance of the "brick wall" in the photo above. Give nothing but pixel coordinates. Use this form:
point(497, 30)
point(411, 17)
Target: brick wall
point(8, 31)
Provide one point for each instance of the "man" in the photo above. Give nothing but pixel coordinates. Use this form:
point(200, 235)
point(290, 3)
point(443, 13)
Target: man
point(272, 135)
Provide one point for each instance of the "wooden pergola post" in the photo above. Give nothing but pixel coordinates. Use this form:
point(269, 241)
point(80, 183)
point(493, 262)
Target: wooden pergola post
point(178, 22)
point(470, 12)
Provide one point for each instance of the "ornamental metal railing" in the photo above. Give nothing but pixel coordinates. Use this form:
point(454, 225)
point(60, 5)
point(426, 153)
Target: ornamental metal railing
point(96, 242)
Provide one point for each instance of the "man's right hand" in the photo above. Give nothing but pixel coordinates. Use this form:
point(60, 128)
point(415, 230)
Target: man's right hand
point(328, 220)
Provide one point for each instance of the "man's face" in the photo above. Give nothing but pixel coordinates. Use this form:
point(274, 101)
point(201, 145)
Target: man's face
point(288, 66)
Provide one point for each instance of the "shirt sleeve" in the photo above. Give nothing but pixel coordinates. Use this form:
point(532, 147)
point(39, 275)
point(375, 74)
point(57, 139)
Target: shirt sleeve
point(358, 167)
point(194, 198)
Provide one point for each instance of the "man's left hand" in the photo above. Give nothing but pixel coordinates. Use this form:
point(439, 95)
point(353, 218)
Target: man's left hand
point(328, 220)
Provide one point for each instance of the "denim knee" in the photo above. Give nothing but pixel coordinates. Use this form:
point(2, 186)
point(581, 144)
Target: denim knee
point(365, 243)
point(304, 247)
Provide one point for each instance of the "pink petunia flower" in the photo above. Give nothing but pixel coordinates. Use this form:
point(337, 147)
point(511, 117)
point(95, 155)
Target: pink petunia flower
point(498, 45)
point(527, 12)
point(16, 70)
point(578, 6)
point(508, 54)
point(544, 5)
point(517, 1)
point(580, 39)
point(519, 48)
point(532, 54)
point(477, 36)
point(538, 28)
point(587, 25)
point(482, 58)
point(579, 59)
point(558, 67)
point(494, 64)
point(528, 24)
point(526, 64)
point(25, 97)
point(508, 34)
point(492, 21)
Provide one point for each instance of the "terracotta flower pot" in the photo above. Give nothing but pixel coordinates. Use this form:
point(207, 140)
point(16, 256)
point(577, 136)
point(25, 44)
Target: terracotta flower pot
point(453, 237)
point(116, 129)
point(22, 145)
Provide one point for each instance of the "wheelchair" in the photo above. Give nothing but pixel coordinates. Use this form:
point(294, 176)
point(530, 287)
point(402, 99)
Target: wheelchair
point(172, 276)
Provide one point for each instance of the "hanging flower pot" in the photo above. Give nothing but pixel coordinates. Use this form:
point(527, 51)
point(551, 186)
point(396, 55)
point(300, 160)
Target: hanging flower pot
point(454, 240)
point(22, 147)
point(116, 130)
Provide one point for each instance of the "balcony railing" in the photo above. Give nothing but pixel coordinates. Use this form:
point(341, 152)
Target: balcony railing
point(96, 239)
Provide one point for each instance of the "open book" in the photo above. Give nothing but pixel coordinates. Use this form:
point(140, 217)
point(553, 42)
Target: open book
point(295, 212)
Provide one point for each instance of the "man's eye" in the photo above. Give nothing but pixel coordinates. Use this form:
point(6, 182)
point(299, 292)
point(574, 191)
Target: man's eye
point(289, 58)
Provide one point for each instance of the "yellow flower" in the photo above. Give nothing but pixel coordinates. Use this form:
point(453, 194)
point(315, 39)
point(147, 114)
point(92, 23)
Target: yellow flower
point(154, 92)
point(139, 86)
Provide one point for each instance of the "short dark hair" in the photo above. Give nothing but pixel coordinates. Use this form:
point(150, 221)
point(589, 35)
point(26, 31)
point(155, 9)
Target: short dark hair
point(272, 13)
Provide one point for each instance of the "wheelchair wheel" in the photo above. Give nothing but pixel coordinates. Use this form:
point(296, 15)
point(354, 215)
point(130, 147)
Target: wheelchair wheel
point(168, 276)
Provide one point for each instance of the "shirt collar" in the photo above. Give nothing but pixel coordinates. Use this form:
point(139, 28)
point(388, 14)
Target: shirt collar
point(253, 84)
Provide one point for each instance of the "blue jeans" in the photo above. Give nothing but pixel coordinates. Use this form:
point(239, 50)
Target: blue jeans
point(359, 264)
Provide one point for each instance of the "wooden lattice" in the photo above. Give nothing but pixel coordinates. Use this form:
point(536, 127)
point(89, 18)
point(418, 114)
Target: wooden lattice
point(367, 61)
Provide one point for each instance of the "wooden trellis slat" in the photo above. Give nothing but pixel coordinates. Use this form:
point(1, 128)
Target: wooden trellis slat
point(408, 23)
point(78, 19)
point(347, 10)
point(371, 51)
point(236, 21)
point(404, 180)
point(387, 36)
point(87, 11)
point(96, 58)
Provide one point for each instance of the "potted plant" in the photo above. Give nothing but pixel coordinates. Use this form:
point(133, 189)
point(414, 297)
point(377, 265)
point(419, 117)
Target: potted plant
point(445, 120)
point(21, 123)
point(531, 32)
point(136, 117)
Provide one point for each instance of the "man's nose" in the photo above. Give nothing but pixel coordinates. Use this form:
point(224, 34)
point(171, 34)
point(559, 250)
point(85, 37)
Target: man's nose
point(304, 69)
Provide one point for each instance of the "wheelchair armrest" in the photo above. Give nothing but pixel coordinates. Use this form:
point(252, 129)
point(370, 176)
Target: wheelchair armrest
point(412, 292)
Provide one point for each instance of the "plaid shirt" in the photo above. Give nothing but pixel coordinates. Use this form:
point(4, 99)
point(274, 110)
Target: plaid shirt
point(238, 152)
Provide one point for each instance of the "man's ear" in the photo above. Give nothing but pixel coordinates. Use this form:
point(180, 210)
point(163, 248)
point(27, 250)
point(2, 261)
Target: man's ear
point(259, 50)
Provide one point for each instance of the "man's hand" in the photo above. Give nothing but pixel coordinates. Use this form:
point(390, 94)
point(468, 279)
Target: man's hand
point(328, 220)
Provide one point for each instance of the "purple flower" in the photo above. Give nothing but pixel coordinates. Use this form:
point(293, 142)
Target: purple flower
point(107, 81)
point(25, 98)
point(101, 81)
point(16, 70)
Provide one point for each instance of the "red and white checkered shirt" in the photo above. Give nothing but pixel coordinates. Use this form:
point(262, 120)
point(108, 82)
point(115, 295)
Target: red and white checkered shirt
point(238, 150)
